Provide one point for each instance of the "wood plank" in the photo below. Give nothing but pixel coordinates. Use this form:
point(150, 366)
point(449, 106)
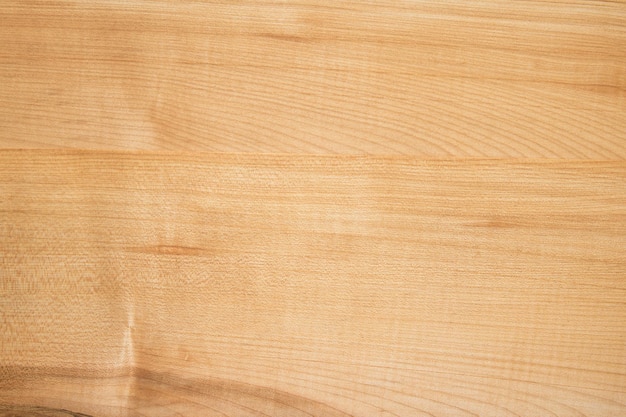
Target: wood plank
point(168, 284)
point(530, 78)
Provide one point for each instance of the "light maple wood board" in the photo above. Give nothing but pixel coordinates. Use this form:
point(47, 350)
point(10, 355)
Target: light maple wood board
point(170, 284)
point(427, 78)
point(312, 208)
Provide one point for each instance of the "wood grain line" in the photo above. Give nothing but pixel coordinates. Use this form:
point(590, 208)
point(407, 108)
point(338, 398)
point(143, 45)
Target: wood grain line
point(169, 283)
point(530, 79)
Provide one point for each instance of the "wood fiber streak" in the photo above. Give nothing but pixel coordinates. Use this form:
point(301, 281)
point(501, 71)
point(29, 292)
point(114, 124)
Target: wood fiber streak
point(537, 79)
point(172, 284)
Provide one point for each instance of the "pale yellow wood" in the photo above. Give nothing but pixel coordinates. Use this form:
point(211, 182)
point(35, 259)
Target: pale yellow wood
point(427, 78)
point(162, 284)
point(151, 283)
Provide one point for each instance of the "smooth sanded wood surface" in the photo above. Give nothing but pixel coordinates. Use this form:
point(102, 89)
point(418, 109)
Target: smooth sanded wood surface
point(162, 284)
point(427, 78)
point(312, 208)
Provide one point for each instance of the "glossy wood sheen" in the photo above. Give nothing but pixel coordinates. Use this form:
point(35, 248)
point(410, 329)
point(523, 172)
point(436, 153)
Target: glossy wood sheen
point(427, 78)
point(163, 284)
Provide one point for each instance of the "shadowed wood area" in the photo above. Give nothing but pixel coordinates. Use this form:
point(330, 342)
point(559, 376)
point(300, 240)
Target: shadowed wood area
point(530, 78)
point(171, 284)
point(17, 411)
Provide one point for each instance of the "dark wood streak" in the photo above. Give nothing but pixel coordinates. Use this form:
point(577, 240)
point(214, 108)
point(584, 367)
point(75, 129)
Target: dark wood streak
point(32, 411)
point(217, 390)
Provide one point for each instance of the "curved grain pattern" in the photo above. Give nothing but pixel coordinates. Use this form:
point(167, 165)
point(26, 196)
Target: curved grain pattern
point(36, 411)
point(445, 79)
point(168, 284)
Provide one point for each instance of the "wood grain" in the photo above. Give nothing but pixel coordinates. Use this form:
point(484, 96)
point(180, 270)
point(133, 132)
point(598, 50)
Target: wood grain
point(281, 208)
point(530, 78)
point(169, 284)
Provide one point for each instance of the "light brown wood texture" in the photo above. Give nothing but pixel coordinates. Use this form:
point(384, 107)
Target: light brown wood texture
point(312, 208)
point(170, 284)
point(427, 78)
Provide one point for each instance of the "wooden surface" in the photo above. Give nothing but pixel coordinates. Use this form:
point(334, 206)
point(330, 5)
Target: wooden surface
point(407, 208)
point(285, 285)
point(427, 78)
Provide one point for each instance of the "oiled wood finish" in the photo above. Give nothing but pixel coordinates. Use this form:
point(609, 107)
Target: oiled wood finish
point(161, 284)
point(427, 78)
